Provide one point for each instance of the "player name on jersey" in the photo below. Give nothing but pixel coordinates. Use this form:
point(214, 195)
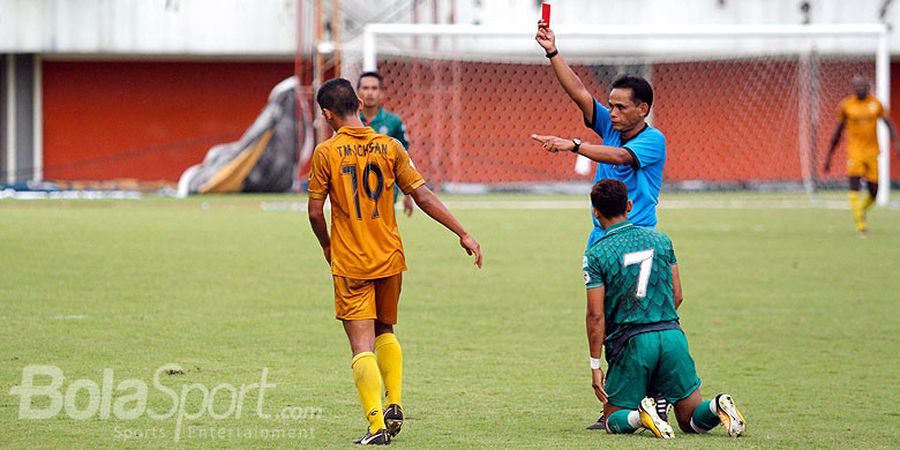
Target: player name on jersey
point(363, 149)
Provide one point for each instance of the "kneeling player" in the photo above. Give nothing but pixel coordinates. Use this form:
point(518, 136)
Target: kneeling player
point(633, 290)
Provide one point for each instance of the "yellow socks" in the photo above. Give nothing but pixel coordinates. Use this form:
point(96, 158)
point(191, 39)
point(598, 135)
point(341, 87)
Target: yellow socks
point(368, 371)
point(868, 202)
point(856, 207)
point(859, 206)
point(368, 385)
point(390, 361)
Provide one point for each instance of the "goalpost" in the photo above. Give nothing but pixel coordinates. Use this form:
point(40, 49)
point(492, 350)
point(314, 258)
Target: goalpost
point(742, 106)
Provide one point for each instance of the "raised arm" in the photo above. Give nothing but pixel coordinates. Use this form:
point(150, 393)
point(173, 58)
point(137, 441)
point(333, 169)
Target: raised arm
point(596, 333)
point(564, 74)
point(435, 208)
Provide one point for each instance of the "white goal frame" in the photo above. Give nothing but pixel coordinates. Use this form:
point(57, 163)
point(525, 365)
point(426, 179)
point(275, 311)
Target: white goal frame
point(372, 32)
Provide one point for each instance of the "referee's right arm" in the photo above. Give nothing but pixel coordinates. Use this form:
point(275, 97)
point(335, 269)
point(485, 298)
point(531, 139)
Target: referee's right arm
point(564, 74)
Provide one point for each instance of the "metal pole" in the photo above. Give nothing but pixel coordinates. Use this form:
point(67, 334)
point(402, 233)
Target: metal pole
point(815, 86)
point(11, 118)
point(319, 69)
point(299, 90)
point(38, 122)
point(883, 92)
point(320, 60)
point(370, 51)
point(804, 122)
point(336, 35)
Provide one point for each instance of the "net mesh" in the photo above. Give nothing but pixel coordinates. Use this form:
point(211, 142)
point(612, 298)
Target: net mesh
point(738, 115)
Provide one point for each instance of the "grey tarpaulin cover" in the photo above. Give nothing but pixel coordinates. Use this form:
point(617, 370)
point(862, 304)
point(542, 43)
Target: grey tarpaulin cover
point(265, 158)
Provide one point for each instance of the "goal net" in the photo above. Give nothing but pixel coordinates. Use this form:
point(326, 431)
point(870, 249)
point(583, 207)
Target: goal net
point(741, 108)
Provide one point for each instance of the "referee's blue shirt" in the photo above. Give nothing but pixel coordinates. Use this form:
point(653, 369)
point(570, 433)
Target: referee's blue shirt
point(643, 178)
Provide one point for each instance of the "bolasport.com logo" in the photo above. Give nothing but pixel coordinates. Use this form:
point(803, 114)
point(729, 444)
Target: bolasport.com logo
point(43, 394)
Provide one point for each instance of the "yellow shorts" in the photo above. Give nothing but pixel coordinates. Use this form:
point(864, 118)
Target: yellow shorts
point(356, 299)
point(864, 168)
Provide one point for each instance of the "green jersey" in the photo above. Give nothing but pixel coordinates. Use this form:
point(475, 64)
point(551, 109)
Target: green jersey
point(389, 124)
point(634, 264)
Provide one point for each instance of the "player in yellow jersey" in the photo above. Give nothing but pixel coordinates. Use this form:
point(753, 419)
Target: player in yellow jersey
point(357, 169)
point(859, 114)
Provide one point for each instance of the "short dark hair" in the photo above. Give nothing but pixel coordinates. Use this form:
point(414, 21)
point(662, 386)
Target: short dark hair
point(610, 197)
point(641, 91)
point(338, 96)
point(372, 74)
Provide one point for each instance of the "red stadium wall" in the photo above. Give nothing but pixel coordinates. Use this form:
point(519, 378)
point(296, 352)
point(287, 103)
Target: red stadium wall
point(151, 120)
point(146, 120)
point(756, 137)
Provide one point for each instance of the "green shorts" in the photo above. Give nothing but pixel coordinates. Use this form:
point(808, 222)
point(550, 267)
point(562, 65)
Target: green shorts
point(656, 361)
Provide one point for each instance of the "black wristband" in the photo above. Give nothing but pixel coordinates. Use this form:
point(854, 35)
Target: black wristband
point(552, 54)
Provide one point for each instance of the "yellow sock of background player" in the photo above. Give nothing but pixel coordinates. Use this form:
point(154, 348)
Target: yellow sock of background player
point(868, 202)
point(368, 384)
point(390, 361)
point(856, 207)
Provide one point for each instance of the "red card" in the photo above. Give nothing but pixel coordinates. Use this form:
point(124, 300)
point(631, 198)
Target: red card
point(545, 13)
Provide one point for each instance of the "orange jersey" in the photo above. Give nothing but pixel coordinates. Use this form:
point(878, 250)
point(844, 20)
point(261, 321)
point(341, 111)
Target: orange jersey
point(357, 168)
point(860, 118)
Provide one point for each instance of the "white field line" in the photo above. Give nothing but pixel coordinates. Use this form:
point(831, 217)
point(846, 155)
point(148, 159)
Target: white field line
point(578, 204)
point(670, 204)
point(70, 195)
point(517, 204)
point(69, 317)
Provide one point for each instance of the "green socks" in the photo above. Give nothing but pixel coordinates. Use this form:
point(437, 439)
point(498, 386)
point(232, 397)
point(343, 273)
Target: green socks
point(623, 421)
point(704, 417)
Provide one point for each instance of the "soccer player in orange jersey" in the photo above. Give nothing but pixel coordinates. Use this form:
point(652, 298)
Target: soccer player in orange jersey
point(358, 168)
point(859, 114)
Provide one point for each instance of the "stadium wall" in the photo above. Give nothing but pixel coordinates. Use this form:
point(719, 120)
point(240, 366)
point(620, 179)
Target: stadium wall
point(149, 120)
point(146, 120)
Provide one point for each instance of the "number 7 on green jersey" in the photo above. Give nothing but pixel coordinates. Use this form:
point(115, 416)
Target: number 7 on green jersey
point(645, 259)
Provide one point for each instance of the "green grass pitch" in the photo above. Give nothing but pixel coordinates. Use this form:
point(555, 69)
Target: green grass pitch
point(785, 308)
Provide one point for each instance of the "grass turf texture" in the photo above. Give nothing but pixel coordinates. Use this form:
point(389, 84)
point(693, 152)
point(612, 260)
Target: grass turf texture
point(786, 309)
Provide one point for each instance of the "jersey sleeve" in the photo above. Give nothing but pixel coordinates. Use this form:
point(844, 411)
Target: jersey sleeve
point(647, 148)
point(400, 134)
point(319, 174)
point(600, 121)
point(408, 178)
point(670, 253)
point(881, 111)
point(593, 278)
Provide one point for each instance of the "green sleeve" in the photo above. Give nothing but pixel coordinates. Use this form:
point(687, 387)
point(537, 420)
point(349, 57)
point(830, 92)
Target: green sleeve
point(672, 259)
point(593, 278)
point(400, 133)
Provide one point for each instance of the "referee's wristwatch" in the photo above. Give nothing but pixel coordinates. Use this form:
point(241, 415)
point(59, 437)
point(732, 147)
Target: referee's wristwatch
point(577, 146)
